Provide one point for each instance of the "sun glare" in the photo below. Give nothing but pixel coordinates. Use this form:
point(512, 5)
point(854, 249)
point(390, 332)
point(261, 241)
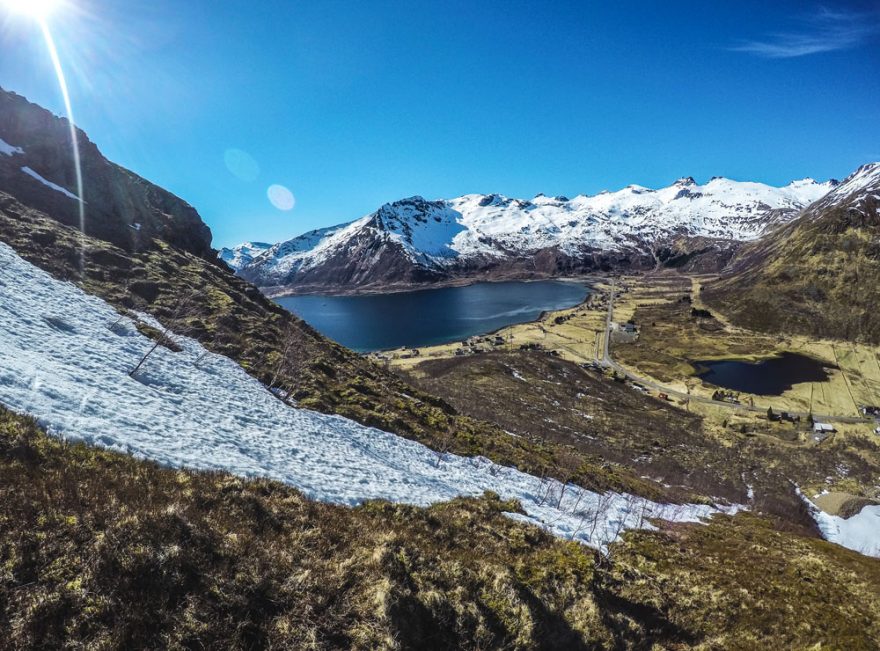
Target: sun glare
point(40, 11)
point(37, 8)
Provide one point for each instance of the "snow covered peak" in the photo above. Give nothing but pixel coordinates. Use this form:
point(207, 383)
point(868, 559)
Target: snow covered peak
point(853, 190)
point(474, 231)
point(243, 254)
point(811, 186)
point(865, 176)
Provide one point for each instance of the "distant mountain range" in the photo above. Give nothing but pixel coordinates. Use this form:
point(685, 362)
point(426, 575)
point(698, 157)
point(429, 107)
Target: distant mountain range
point(414, 241)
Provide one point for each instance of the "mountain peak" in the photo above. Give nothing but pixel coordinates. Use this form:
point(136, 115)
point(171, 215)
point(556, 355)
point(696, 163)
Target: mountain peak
point(243, 254)
point(447, 238)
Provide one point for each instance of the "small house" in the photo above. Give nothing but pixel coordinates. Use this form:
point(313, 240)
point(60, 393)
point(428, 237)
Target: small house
point(823, 428)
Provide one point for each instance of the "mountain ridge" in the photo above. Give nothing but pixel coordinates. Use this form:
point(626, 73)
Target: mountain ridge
point(417, 241)
point(817, 274)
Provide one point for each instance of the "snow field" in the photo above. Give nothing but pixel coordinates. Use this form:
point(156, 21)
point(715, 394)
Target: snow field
point(66, 358)
point(860, 532)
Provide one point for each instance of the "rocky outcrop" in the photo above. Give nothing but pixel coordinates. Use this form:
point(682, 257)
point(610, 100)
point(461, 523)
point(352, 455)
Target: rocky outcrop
point(37, 167)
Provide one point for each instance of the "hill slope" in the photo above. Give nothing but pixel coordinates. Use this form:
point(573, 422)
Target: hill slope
point(101, 549)
point(114, 552)
point(819, 274)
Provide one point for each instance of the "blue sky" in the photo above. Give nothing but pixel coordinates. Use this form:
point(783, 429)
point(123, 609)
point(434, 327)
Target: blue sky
point(352, 104)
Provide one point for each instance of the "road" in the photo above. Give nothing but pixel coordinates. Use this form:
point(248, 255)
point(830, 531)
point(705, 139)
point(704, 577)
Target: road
point(607, 362)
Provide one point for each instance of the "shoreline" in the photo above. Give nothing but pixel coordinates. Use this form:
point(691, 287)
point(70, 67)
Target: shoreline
point(544, 313)
point(274, 293)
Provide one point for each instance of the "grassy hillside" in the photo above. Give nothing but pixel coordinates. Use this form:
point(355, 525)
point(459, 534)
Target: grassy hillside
point(819, 275)
point(533, 394)
point(98, 549)
point(203, 299)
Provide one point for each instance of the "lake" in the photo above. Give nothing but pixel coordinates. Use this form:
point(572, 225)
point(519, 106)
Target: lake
point(431, 316)
point(767, 377)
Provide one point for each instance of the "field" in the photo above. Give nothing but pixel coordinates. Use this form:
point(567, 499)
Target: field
point(669, 338)
point(504, 381)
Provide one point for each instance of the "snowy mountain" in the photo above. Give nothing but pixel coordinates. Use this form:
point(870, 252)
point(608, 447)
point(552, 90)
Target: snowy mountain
point(818, 274)
point(242, 254)
point(414, 240)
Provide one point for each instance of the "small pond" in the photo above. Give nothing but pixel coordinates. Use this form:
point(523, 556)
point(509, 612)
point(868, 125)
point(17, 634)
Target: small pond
point(767, 377)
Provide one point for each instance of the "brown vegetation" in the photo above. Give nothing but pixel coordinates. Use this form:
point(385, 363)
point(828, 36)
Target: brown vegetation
point(100, 550)
point(819, 275)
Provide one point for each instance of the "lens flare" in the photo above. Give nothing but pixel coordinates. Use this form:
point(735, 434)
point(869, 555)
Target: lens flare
point(40, 10)
point(241, 164)
point(74, 141)
point(281, 197)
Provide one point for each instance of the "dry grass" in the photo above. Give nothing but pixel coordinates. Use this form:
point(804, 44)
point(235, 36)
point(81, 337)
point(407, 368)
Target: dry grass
point(99, 550)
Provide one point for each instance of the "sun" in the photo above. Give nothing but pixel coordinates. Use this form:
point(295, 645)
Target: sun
point(36, 8)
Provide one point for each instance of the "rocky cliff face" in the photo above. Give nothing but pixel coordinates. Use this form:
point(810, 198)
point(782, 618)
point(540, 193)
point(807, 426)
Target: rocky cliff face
point(120, 207)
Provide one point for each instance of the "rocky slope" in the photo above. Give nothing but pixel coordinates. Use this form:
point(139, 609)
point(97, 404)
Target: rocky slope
point(417, 241)
point(36, 166)
point(819, 274)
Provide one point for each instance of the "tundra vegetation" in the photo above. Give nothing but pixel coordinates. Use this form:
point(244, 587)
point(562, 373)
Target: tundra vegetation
point(98, 549)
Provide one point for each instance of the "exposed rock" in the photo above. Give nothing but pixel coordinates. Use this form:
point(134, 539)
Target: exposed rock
point(120, 207)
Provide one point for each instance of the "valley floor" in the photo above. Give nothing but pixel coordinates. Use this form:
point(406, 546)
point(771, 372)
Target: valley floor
point(667, 341)
point(656, 361)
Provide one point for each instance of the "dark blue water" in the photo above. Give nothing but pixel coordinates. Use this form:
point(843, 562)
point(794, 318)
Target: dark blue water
point(432, 316)
point(767, 377)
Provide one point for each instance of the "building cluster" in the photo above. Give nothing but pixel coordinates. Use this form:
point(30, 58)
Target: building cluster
point(872, 411)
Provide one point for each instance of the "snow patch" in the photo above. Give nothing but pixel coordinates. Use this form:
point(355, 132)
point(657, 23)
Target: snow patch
point(8, 150)
point(67, 357)
point(54, 186)
point(860, 532)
